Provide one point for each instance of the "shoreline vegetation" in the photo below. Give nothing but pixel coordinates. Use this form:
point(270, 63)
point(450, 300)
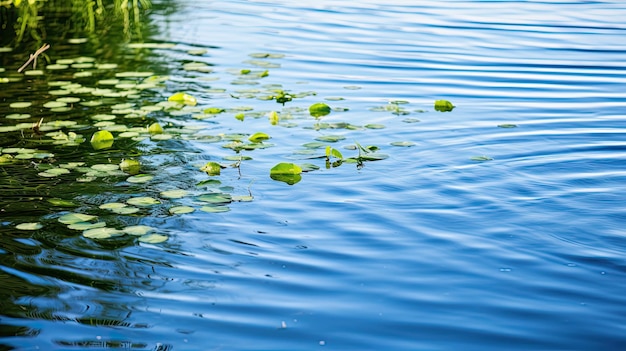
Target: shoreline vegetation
point(27, 20)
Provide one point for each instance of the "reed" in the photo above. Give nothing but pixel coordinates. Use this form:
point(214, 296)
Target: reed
point(90, 15)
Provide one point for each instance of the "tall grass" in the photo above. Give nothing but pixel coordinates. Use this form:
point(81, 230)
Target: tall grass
point(88, 14)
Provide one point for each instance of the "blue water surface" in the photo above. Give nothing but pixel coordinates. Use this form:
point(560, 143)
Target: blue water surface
point(429, 249)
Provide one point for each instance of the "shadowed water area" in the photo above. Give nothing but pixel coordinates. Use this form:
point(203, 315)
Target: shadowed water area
point(496, 226)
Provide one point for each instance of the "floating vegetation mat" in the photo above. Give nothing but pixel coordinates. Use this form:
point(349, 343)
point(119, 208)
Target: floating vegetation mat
point(93, 147)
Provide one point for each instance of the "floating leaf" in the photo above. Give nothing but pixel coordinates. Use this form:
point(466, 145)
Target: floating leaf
point(215, 198)
point(286, 168)
point(54, 104)
point(183, 98)
point(72, 218)
point(131, 167)
point(403, 143)
point(443, 106)
point(174, 194)
point(243, 198)
point(258, 137)
point(112, 205)
point(125, 210)
point(138, 230)
point(102, 139)
point(134, 74)
point(143, 201)
point(274, 118)
point(507, 125)
point(333, 152)
point(105, 167)
point(61, 202)
point(153, 238)
point(102, 233)
point(330, 138)
point(20, 104)
point(212, 168)
point(215, 209)
point(481, 158)
point(29, 226)
point(319, 109)
point(155, 128)
point(86, 225)
point(213, 110)
point(140, 178)
point(181, 209)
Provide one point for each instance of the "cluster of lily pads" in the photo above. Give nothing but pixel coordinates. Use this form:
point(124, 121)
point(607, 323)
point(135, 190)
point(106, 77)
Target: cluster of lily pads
point(87, 85)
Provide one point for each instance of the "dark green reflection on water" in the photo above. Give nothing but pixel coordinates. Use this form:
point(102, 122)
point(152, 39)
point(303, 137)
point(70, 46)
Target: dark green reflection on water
point(53, 274)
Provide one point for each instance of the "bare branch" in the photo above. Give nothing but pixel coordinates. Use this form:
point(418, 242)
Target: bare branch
point(33, 57)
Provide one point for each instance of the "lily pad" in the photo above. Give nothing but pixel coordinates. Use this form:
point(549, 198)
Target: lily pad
point(258, 137)
point(102, 233)
point(138, 230)
point(143, 201)
point(214, 209)
point(481, 158)
point(174, 194)
point(181, 209)
point(212, 168)
point(153, 238)
point(86, 225)
point(443, 106)
point(319, 109)
point(215, 198)
point(403, 143)
point(183, 98)
point(72, 218)
point(29, 226)
point(102, 139)
point(20, 104)
point(140, 178)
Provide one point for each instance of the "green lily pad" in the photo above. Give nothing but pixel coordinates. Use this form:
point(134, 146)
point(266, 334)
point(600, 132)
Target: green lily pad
point(212, 168)
point(20, 104)
point(319, 109)
point(102, 233)
point(507, 125)
point(481, 158)
point(330, 138)
point(183, 98)
point(102, 139)
point(125, 210)
point(258, 137)
point(138, 230)
point(112, 205)
point(86, 225)
point(29, 226)
point(140, 178)
point(443, 106)
point(153, 238)
point(215, 198)
point(174, 194)
point(72, 218)
point(403, 143)
point(131, 167)
point(143, 201)
point(181, 209)
point(214, 209)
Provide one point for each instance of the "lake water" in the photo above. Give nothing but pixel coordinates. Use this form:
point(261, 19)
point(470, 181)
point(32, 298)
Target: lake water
point(496, 226)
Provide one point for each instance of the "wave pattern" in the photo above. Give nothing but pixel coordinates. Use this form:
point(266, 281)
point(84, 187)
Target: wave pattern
point(427, 250)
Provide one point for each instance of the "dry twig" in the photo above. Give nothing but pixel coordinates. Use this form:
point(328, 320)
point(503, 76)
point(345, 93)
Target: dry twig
point(33, 57)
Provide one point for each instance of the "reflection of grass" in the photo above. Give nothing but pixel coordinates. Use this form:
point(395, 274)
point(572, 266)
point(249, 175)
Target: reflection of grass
point(89, 14)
